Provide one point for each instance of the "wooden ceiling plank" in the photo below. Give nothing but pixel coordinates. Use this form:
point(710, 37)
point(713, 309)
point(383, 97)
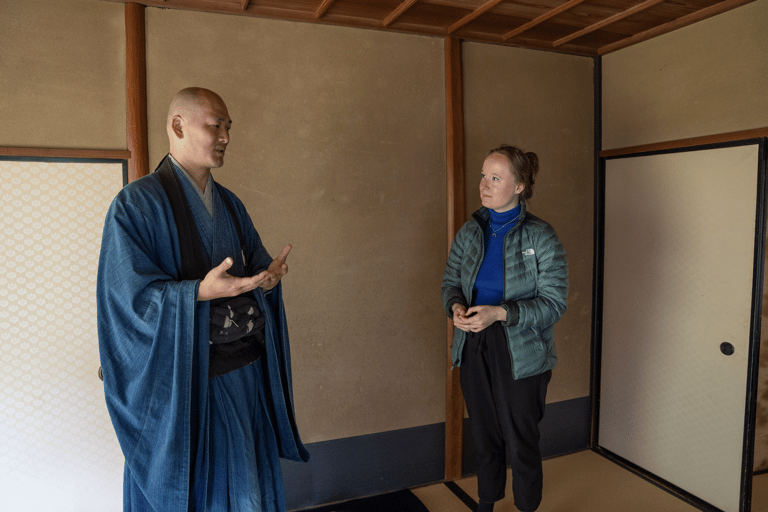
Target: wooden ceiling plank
point(397, 12)
point(541, 19)
point(694, 17)
point(244, 4)
point(323, 7)
point(613, 19)
point(474, 14)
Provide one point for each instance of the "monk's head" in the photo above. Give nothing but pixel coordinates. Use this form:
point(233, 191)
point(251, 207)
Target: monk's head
point(198, 129)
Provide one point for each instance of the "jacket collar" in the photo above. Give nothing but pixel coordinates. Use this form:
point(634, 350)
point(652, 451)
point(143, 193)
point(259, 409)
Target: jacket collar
point(482, 216)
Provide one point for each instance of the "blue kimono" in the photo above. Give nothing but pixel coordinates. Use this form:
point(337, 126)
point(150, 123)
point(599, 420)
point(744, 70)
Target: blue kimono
point(190, 442)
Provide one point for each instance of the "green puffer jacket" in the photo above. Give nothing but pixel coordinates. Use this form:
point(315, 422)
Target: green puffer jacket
point(535, 287)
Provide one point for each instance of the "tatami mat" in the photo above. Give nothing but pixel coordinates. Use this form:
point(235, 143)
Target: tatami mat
point(579, 482)
point(439, 497)
point(583, 481)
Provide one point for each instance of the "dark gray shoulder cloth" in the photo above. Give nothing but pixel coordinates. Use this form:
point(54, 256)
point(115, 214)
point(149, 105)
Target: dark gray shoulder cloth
point(236, 323)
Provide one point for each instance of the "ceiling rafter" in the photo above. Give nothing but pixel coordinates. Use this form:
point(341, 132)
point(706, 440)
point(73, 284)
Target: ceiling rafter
point(565, 28)
point(323, 7)
point(681, 22)
point(608, 21)
point(487, 6)
point(397, 12)
point(541, 19)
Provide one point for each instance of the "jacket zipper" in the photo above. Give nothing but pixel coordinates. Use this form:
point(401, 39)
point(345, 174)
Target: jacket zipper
point(474, 277)
point(504, 293)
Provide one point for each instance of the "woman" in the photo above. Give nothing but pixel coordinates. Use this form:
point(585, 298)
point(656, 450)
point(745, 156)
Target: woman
point(505, 285)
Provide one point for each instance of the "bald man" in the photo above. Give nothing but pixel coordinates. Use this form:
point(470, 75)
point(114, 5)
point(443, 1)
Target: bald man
point(192, 332)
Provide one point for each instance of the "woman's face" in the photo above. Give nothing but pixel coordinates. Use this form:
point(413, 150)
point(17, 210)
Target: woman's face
point(499, 190)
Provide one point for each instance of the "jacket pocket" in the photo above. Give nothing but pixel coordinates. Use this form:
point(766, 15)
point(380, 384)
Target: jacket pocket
point(538, 340)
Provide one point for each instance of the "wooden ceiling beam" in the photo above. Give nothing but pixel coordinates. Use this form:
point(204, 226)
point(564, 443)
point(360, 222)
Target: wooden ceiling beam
point(323, 7)
point(362, 14)
point(487, 6)
point(613, 19)
point(694, 17)
point(541, 19)
point(397, 12)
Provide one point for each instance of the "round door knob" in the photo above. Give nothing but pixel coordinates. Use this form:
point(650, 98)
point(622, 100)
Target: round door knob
point(727, 349)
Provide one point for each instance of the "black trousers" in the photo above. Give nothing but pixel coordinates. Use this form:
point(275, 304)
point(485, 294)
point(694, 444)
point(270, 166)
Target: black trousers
point(504, 416)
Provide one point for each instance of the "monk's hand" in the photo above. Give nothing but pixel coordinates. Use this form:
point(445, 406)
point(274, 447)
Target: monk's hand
point(277, 269)
point(218, 283)
point(477, 318)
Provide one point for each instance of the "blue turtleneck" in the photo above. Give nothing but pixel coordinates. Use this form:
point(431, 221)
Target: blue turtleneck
point(489, 285)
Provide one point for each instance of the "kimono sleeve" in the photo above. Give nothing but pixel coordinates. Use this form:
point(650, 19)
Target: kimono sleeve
point(150, 328)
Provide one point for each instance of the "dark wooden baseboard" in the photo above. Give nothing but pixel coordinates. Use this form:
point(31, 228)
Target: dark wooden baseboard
point(355, 467)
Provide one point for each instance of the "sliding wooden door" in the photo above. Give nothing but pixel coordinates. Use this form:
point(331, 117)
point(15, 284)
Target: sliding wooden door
point(682, 280)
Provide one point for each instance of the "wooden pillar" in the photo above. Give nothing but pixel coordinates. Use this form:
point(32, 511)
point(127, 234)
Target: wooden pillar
point(136, 91)
point(454, 401)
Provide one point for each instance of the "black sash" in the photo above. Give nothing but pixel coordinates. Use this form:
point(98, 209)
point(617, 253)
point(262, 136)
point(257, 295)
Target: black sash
point(223, 357)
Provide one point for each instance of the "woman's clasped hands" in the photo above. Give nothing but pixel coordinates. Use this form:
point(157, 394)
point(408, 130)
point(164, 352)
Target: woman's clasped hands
point(477, 318)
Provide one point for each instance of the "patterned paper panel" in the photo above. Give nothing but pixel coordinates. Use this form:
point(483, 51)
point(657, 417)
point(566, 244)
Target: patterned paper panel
point(57, 447)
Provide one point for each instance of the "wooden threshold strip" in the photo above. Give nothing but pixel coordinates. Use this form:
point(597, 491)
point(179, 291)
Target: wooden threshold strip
point(685, 143)
point(94, 154)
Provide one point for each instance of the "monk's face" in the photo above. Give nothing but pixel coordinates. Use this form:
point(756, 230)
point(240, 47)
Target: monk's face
point(207, 132)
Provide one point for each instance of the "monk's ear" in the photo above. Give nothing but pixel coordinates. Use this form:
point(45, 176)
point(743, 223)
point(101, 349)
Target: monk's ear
point(177, 126)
